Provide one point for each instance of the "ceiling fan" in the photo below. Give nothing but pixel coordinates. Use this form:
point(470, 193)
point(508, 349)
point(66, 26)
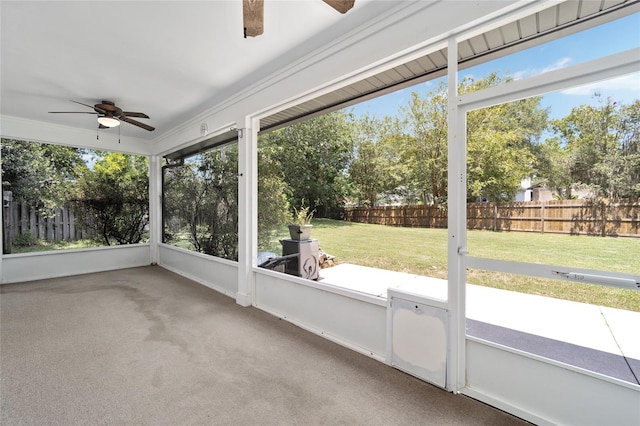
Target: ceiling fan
point(110, 115)
point(253, 14)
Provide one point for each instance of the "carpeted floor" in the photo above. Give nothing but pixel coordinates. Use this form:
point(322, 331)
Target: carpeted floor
point(146, 346)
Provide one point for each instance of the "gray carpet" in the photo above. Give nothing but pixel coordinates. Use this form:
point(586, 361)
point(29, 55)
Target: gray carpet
point(146, 346)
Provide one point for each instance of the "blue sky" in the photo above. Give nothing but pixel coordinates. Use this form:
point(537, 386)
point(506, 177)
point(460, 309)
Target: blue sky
point(620, 35)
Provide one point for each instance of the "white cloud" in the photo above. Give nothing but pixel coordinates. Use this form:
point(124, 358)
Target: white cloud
point(532, 72)
point(560, 63)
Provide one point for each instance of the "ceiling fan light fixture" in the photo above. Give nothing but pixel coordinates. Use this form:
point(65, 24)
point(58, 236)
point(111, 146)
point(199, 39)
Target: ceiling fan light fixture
point(108, 121)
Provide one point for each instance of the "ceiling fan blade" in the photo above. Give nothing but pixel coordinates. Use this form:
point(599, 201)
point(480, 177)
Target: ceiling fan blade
point(92, 107)
point(76, 102)
point(137, 123)
point(253, 17)
point(135, 114)
point(342, 6)
point(72, 112)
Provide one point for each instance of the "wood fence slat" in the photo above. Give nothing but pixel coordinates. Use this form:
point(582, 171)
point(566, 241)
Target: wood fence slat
point(72, 226)
point(554, 216)
point(20, 218)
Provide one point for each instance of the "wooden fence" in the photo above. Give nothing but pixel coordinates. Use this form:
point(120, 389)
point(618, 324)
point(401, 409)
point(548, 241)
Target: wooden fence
point(557, 216)
point(20, 219)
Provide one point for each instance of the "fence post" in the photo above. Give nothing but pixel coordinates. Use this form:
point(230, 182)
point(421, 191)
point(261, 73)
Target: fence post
point(542, 217)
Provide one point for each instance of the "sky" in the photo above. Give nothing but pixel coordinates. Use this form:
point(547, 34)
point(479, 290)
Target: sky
point(617, 36)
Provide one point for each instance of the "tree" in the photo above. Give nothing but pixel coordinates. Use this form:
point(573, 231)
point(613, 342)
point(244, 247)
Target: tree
point(115, 197)
point(377, 167)
point(500, 141)
point(273, 204)
point(554, 167)
point(40, 174)
point(202, 197)
point(314, 156)
point(495, 167)
point(603, 144)
point(425, 151)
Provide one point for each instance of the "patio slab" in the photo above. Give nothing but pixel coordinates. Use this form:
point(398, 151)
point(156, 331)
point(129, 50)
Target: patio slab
point(376, 281)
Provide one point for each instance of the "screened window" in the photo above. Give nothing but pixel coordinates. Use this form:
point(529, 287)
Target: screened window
point(200, 202)
point(57, 197)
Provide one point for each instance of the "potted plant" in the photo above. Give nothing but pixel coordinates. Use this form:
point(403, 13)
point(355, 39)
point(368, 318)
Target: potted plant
point(300, 226)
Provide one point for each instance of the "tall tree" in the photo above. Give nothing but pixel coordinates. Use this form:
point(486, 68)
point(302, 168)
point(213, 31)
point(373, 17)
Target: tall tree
point(202, 196)
point(273, 203)
point(377, 167)
point(314, 156)
point(42, 175)
point(554, 167)
point(603, 143)
point(425, 150)
point(115, 196)
point(500, 141)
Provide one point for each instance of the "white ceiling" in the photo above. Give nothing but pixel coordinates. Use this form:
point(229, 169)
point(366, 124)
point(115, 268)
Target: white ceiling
point(170, 59)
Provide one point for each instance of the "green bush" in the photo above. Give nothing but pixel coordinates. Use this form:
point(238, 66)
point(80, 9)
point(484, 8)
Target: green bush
point(25, 240)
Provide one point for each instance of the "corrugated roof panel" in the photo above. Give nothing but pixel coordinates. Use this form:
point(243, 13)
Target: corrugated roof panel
point(394, 74)
point(589, 7)
point(568, 12)
point(528, 26)
point(426, 63)
point(415, 68)
point(494, 39)
point(405, 72)
point(363, 86)
point(479, 44)
point(313, 104)
point(376, 82)
point(547, 19)
point(348, 92)
point(386, 78)
point(465, 50)
point(439, 58)
point(606, 4)
point(297, 110)
point(329, 98)
point(511, 32)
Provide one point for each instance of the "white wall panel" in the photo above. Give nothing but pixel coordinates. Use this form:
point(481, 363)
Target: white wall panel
point(353, 320)
point(213, 272)
point(50, 264)
point(546, 392)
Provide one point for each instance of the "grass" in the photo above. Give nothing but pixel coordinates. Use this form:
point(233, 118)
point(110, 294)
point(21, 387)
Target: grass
point(43, 245)
point(423, 251)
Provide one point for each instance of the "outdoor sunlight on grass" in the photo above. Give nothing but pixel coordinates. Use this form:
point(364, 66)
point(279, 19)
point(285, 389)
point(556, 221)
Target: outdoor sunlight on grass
point(43, 245)
point(423, 251)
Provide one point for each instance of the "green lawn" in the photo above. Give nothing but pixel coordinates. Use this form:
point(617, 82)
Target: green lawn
point(44, 245)
point(423, 251)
